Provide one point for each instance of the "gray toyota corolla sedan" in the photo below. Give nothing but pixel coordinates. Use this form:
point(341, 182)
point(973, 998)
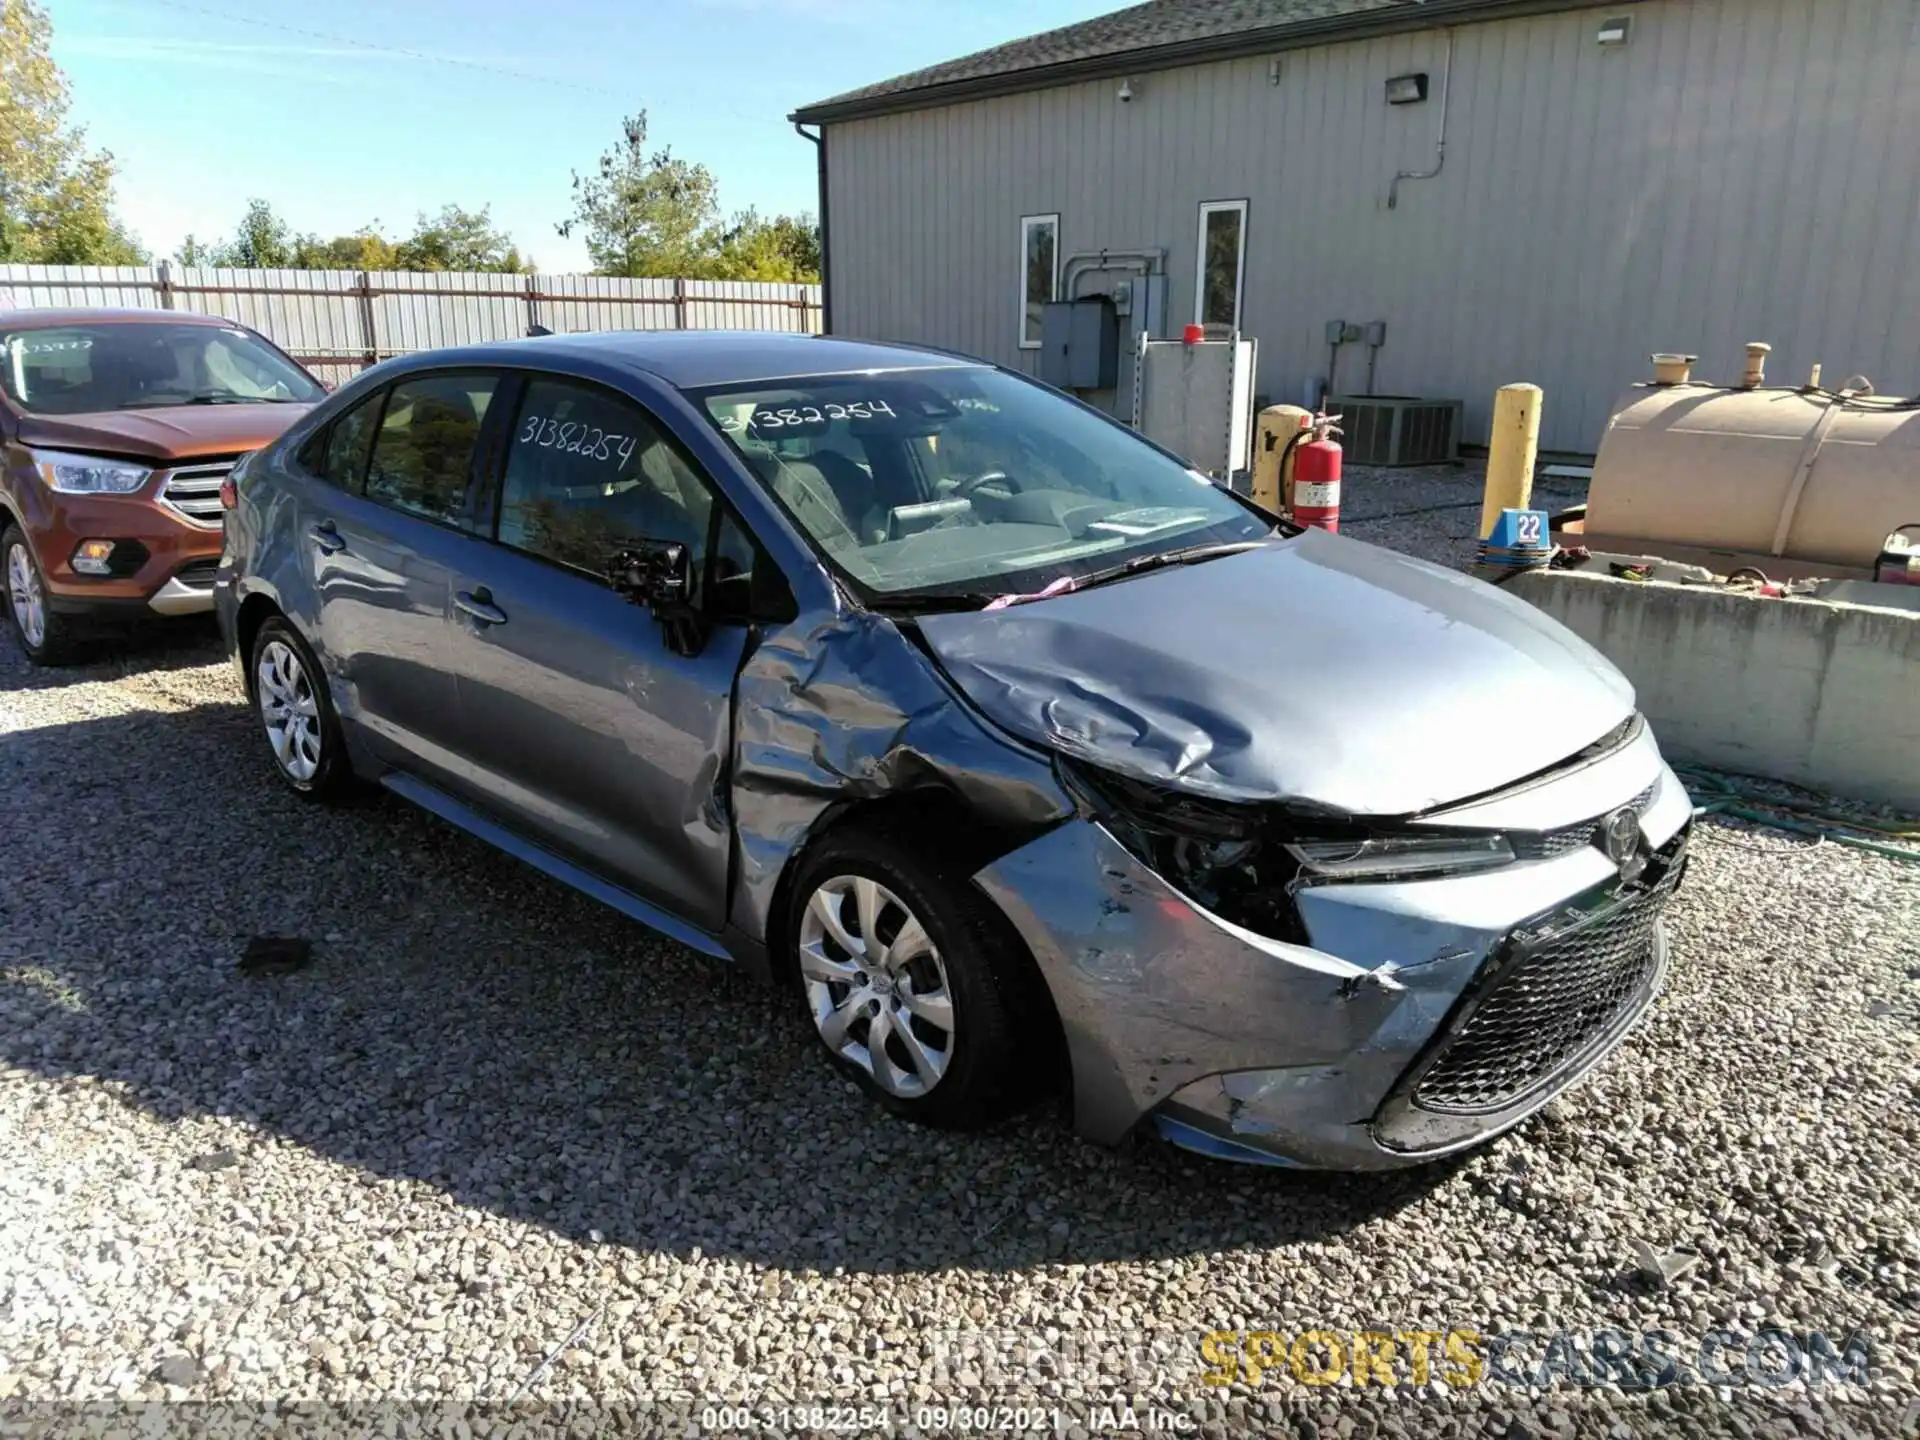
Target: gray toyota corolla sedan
point(1017, 750)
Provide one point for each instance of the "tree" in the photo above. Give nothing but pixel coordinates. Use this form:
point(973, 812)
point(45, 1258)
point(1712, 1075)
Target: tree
point(458, 239)
point(785, 248)
point(263, 242)
point(56, 198)
point(365, 249)
point(644, 213)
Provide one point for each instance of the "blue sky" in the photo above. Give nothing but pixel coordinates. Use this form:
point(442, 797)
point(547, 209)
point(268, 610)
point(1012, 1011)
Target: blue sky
point(203, 110)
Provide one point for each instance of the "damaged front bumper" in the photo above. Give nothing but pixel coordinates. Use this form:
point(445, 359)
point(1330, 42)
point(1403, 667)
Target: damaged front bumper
point(1422, 1018)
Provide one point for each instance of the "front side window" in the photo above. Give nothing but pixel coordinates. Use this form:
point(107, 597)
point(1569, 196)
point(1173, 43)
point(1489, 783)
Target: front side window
point(146, 365)
point(1039, 273)
point(423, 452)
point(1223, 250)
point(338, 453)
point(965, 483)
point(589, 471)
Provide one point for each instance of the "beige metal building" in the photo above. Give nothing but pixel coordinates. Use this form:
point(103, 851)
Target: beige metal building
point(1519, 189)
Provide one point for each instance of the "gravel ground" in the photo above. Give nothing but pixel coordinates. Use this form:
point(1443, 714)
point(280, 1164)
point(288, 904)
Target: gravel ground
point(1433, 511)
point(496, 1142)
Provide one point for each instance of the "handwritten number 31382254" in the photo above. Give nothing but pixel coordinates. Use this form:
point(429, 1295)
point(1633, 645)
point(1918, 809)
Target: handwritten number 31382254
point(575, 438)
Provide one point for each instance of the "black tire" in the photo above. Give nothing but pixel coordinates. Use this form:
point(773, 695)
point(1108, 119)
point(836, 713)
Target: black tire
point(330, 779)
point(992, 1065)
point(60, 639)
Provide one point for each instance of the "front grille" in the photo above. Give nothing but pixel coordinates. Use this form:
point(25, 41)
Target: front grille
point(1551, 844)
point(198, 573)
point(193, 492)
point(1560, 991)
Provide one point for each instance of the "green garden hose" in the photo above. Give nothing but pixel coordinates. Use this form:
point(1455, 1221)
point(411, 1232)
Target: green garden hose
point(1715, 792)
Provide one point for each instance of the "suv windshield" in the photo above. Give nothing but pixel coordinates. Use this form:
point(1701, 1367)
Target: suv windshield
point(967, 482)
point(82, 369)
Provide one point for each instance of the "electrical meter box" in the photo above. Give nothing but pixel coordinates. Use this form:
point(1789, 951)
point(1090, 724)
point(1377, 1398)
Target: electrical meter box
point(1080, 343)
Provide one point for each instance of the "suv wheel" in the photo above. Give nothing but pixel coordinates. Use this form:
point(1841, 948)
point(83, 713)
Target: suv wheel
point(290, 697)
point(47, 638)
point(911, 981)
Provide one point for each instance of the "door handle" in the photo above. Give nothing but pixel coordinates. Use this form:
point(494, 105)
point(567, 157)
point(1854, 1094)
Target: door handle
point(327, 538)
point(479, 604)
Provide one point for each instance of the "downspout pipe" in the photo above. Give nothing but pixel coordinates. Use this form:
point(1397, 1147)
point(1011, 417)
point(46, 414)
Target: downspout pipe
point(1439, 144)
point(819, 143)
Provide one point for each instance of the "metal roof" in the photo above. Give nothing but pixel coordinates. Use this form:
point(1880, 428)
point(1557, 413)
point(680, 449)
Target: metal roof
point(690, 359)
point(1158, 35)
point(46, 317)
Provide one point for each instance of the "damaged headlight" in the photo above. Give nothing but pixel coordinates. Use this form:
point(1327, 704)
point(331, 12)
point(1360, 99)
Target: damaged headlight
point(1221, 855)
point(1400, 857)
point(1244, 861)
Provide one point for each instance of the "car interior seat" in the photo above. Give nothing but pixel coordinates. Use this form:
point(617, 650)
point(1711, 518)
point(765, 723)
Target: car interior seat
point(805, 490)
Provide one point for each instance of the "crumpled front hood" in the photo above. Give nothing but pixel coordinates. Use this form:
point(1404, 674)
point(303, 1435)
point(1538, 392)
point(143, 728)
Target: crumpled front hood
point(1316, 670)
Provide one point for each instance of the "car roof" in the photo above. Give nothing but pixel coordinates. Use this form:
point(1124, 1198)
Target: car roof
point(692, 359)
point(47, 317)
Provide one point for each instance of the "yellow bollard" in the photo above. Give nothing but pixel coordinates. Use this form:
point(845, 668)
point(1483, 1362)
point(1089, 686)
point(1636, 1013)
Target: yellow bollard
point(1273, 477)
point(1511, 452)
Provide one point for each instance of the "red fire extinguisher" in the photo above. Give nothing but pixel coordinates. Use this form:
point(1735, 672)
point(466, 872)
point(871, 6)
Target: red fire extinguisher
point(1316, 477)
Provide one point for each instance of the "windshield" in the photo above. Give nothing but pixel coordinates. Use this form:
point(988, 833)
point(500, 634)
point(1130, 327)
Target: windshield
point(967, 482)
point(83, 369)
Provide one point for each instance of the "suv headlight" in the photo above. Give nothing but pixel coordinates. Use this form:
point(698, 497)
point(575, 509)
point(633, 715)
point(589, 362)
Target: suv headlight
point(88, 474)
point(1396, 857)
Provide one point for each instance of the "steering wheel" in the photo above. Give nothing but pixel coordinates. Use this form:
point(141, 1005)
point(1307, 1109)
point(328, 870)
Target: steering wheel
point(966, 487)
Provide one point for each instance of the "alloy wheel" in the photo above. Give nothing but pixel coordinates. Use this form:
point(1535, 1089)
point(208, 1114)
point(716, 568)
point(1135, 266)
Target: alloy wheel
point(23, 589)
point(876, 985)
point(289, 710)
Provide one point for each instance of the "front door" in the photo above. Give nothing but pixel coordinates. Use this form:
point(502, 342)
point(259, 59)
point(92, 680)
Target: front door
point(582, 729)
point(383, 561)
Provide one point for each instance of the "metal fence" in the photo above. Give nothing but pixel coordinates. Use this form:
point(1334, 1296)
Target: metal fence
point(337, 321)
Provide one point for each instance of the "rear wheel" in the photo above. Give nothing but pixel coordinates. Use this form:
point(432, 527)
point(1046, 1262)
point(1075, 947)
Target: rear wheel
point(912, 982)
point(290, 699)
point(48, 639)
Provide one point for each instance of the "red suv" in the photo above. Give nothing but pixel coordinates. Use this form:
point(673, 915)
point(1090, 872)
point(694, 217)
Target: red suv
point(119, 427)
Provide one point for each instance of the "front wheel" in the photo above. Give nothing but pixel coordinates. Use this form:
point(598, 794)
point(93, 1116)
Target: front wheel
point(47, 638)
point(912, 982)
point(291, 702)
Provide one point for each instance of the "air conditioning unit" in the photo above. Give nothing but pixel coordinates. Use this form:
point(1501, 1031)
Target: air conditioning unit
point(1397, 429)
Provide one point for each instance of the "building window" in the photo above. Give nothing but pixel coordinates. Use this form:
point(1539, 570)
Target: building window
point(1221, 263)
point(1039, 273)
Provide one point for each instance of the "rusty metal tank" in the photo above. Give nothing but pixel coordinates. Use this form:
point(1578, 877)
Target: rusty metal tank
point(1798, 481)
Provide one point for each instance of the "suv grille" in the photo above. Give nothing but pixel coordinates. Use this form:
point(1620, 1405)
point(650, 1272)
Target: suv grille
point(1550, 844)
point(193, 492)
point(198, 574)
point(1559, 994)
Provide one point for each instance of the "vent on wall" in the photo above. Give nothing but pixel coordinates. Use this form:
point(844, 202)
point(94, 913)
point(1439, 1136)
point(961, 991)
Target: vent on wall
point(1397, 429)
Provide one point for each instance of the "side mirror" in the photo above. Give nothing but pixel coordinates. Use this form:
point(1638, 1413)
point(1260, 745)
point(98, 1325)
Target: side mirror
point(659, 575)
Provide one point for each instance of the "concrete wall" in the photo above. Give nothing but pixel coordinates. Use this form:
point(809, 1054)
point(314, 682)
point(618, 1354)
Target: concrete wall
point(1742, 170)
point(1822, 695)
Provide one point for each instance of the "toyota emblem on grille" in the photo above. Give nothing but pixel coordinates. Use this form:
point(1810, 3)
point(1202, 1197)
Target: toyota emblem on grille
point(1620, 835)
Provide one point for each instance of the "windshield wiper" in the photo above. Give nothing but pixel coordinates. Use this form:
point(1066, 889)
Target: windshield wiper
point(918, 604)
point(910, 603)
point(1066, 584)
point(1191, 555)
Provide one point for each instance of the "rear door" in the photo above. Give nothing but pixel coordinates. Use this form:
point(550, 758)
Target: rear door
point(583, 729)
point(383, 542)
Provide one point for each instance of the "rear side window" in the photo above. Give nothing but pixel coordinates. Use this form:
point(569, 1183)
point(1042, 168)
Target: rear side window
point(587, 471)
point(338, 454)
point(422, 455)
